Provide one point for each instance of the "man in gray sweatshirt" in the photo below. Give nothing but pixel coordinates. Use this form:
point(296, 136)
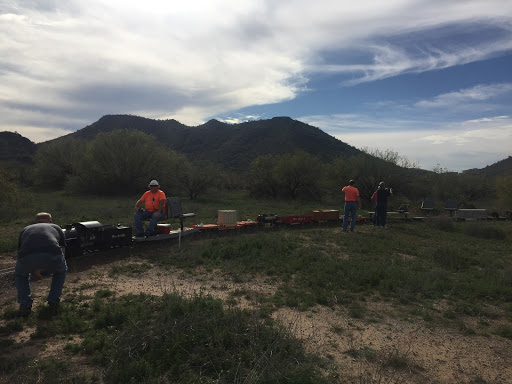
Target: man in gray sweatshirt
point(41, 250)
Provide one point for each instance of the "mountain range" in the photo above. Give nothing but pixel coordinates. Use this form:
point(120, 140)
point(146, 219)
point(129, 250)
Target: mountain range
point(232, 145)
point(14, 147)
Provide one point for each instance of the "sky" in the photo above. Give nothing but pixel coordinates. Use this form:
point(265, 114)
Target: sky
point(428, 79)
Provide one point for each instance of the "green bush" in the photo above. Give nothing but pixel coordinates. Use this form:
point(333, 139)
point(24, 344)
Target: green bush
point(483, 231)
point(142, 339)
point(504, 331)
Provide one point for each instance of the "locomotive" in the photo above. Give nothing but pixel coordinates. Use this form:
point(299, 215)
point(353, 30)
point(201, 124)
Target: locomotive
point(92, 236)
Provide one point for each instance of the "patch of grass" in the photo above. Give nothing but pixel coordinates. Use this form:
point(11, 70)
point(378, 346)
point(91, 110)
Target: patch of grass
point(4, 343)
point(444, 224)
point(319, 266)
point(399, 360)
point(464, 329)
point(356, 310)
point(70, 320)
point(147, 339)
point(504, 331)
point(103, 293)
point(10, 312)
point(413, 265)
point(489, 232)
point(12, 364)
point(131, 269)
point(478, 380)
point(365, 352)
point(53, 370)
point(450, 315)
point(143, 338)
point(450, 257)
point(9, 244)
point(508, 312)
point(12, 327)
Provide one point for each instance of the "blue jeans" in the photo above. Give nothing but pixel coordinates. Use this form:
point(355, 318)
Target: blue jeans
point(48, 263)
point(140, 216)
point(350, 209)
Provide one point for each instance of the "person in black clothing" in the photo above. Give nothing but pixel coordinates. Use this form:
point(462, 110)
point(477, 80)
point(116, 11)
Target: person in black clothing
point(381, 207)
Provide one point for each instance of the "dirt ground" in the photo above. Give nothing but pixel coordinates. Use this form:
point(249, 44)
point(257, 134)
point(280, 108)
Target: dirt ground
point(383, 347)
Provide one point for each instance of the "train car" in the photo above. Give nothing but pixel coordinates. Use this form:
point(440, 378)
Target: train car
point(293, 220)
point(321, 215)
point(91, 236)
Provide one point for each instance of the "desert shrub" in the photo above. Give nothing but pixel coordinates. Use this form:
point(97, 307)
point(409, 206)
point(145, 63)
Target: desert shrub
point(451, 257)
point(290, 176)
point(504, 190)
point(190, 341)
point(483, 231)
point(444, 224)
point(123, 161)
point(504, 331)
point(57, 161)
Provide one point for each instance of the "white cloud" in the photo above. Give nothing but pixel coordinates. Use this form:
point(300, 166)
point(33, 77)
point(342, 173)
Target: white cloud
point(456, 146)
point(475, 94)
point(66, 63)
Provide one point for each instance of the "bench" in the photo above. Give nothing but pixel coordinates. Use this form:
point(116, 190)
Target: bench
point(427, 205)
point(471, 214)
point(451, 205)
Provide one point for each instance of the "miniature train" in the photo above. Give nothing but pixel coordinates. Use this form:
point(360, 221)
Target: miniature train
point(92, 236)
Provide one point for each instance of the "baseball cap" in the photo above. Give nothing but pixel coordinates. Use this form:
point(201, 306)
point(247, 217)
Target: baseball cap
point(153, 182)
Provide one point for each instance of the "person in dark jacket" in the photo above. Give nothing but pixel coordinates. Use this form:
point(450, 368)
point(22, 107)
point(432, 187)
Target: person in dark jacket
point(41, 250)
point(381, 207)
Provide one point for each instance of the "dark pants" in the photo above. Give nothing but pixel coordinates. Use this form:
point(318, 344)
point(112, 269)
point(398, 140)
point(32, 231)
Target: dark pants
point(381, 212)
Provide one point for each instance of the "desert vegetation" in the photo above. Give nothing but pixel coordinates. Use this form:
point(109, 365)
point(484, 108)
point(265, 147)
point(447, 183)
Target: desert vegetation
point(420, 302)
point(438, 275)
point(123, 161)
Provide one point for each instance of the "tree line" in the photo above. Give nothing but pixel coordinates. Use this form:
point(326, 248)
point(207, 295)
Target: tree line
point(123, 161)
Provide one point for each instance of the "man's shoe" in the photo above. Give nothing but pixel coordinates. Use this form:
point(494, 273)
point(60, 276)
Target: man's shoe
point(53, 307)
point(24, 311)
point(140, 234)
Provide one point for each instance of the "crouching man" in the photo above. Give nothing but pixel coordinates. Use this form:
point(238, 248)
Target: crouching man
point(41, 250)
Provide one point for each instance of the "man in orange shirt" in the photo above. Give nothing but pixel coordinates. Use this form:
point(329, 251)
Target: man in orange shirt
point(351, 199)
point(150, 206)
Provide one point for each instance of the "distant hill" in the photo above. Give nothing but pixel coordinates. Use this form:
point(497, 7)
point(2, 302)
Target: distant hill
point(232, 145)
point(500, 168)
point(14, 147)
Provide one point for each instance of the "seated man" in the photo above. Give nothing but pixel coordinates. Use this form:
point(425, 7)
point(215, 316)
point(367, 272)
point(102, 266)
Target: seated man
point(41, 250)
point(150, 206)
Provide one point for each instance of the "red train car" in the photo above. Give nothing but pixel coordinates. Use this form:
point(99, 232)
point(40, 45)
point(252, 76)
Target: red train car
point(298, 219)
